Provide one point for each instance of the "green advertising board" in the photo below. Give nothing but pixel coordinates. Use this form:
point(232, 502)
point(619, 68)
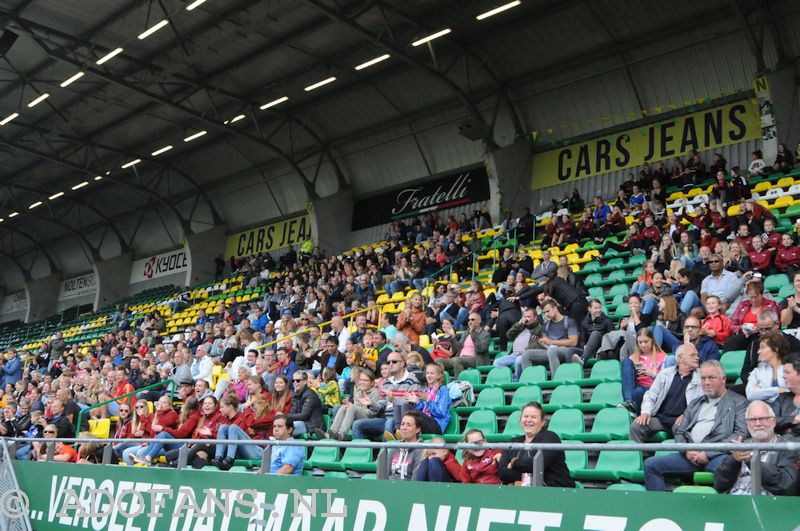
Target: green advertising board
point(69, 496)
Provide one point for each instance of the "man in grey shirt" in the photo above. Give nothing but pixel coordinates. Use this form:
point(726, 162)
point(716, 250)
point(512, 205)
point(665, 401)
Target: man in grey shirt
point(718, 416)
point(721, 282)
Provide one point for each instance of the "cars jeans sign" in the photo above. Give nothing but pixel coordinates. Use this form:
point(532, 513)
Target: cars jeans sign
point(160, 265)
point(459, 187)
point(704, 130)
point(77, 286)
point(269, 237)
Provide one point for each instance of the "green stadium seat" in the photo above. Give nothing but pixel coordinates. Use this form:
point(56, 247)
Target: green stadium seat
point(323, 457)
point(703, 478)
point(496, 378)
point(597, 293)
point(336, 475)
point(512, 429)
point(613, 466)
point(535, 374)
point(567, 423)
point(732, 362)
point(566, 373)
point(564, 396)
point(526, 394)
point(666, 452)
point(607, 394)
point(484, 420)
point(453, 427)
point(595, 279)
point(591, 266)
point(576, 460)
point(695, 489)
point(358, 459)
point(774, 283)
point(619, 289)
point(369, 476)
point(615, 277)
point(628, 487)
point(609, 424)
point(472, 376)
point(489, 398)
point(603, 371)
point(636, 260)
point(785, 291)
point(621, 311)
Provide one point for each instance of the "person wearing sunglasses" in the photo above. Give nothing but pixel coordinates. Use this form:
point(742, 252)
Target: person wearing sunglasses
point(64, 453)
point(720, 282)
point(470, 349)
point(306, 412)
point(778, 469)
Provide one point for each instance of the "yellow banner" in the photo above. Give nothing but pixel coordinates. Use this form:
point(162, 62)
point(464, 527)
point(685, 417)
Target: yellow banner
point(269, 238)
point(709, 129)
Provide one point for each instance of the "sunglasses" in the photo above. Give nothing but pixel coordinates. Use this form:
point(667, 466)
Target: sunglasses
point(50, 432)
point(141, 407)
point(300, 380)
point(124, 410)
point(714, 261)
point(392, 362)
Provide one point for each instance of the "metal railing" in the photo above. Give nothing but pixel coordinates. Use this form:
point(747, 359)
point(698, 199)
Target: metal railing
point(538, 460)
point(163, 383)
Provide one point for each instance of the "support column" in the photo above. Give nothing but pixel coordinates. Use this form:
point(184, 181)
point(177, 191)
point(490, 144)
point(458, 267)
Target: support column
point(42, 297)
point(510, 171)
point(331, 219)
point(778, 97)
point(113, 280)
point(203, 248)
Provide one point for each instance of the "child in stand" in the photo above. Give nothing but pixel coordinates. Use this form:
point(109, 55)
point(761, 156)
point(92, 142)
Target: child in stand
point(327, 389)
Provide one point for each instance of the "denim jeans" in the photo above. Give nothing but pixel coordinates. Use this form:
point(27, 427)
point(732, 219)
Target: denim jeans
point(155, 449)
point(689, 301)
point(299, 428)
point(631, 391)
point(231, 451)
point(24, 452)
point(372, 428)
point(666, 339)
point(655, 468)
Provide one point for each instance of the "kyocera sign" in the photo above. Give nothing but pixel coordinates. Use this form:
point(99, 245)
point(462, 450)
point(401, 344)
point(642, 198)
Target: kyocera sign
point(160, 265)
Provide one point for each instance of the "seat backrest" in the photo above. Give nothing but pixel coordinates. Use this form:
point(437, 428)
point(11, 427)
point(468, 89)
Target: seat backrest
point(484, 420)
point(568, 372)
point(566, 395)
point(732, 361)
point(325, 454)
point(566, 421)
point(622, 461)
point(454, 426)
point(606, 369)
point(576, 459)
point(628, 487)
point(533, 374)
point(525, 394)
point(613, 420)
point(499, 375)
point(472, 376)
point(607, 393)
point(512, 424)
point(491, 397)
point(357, 455)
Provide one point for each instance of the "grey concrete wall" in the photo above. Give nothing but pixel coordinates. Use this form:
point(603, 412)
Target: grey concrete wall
point(42, 297)
point(113, 279)
point(203, 249)
point(331, 219)
point(510, 176)
point(783, 93)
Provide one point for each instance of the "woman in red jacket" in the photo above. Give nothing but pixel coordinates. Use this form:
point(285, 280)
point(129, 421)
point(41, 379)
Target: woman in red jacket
point(411, 320)
point(479, 466)
point(123, 430)
point(207, 427)
point(187, 421)
point(139, 429)
point(787, 258)
point(760, 258)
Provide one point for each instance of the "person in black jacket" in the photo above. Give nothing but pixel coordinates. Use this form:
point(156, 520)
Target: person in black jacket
point(594, 326)
point(516, 465)
point(778, 470)
point(564, 293)
point(787, 405)
point(306, 407)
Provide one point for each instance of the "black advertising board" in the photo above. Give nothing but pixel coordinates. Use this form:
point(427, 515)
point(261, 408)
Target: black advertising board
point(459, 187)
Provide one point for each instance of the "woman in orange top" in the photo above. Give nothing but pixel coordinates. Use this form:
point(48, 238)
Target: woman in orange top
point(640, 369)
point(411, 321)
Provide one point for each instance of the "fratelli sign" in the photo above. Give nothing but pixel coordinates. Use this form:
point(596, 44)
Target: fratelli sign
point(701, 131)
point(160, 265)
point(269, 237)
point(460, 187)
point(78, 286)
point(63, 496)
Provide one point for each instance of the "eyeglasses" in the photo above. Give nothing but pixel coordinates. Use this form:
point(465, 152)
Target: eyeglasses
point(756, 420)
point(691, 326)
point(471, 319)
point(124, 410)
point(298, 380)
point(392, 362)
point(51, 432)
point(140, 407)
point(714, 261)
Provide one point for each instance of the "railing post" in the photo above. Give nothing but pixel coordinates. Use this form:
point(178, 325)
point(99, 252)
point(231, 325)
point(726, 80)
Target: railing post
point(755, 473)
point(12, 450)
point(183, 457)
point(266, 458)
point(51, 451)
point(108, 452)
point(537, 480)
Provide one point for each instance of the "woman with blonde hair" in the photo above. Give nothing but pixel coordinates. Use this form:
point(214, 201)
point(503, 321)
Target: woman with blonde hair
point(640, 369)
point(140, 428)
point(737, 260)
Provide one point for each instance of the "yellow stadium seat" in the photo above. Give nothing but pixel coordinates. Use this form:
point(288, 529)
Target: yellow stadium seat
point(734, 210)
point(573, 258)
point(398, 297)
point(575, 268)
point(783, 202)
point(763, 186)
point(216, 374)
point(425, 341)
point(694, 192)
point(785, 182)
point(571, 248)
point(389, 308)
point(383, 299)
point(100, 428)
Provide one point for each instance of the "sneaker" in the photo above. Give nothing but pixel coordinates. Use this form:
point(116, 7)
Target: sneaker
point(226, 464)
point(397, 435)
point(319, 434)
point(217, 462)
point(143, 460)
point(627, 405)
point(388, 436)
point(577, 358)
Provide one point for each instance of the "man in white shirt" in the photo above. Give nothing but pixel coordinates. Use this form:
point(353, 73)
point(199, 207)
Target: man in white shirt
point(202, 365)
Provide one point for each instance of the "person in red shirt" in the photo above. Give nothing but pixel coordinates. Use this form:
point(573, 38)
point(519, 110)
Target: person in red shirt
point(744, 237)
point(787, 258)
point(187, 422)
point(140, 428)
point(207, 426)
point(566, 231)
point(613, 224)
point(773, 241)
point(650, 232)
point(64, 453)
point(716, 325)
point(479, 466)
point(707, 238)
point(586, 227)
point(760, 258)
point(121, 388)
point(634, 242)
point(411, 320)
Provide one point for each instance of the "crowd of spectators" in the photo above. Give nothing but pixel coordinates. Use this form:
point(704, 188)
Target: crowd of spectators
point(266, 368)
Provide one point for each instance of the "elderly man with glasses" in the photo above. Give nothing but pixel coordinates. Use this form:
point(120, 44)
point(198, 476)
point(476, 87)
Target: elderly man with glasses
point(778, 470)
point(706, 347)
